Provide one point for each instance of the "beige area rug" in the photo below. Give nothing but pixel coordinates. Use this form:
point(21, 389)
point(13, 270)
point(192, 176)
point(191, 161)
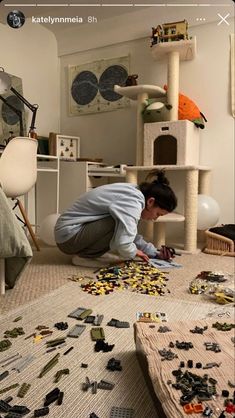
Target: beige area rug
point(129, 391)
point(50, 268)
point(148, 339)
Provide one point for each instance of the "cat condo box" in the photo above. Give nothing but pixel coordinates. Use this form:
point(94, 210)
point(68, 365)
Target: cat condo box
point(171, 143)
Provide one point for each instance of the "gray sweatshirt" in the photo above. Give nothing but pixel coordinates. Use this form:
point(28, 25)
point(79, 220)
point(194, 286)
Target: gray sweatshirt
point(124, 202)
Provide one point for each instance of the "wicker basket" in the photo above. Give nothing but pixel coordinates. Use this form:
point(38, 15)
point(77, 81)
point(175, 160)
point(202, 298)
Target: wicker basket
point(218, 245)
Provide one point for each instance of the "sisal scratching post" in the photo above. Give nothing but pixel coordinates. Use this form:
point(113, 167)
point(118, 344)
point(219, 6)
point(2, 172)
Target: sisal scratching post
point(203, 188)
point(140, 128)
point(159, 234)
point(204, 182)
point(173, 83)
point(190, 209)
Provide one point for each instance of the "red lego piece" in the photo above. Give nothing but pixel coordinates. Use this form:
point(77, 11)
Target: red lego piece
point(188, 408)
point(198, 408)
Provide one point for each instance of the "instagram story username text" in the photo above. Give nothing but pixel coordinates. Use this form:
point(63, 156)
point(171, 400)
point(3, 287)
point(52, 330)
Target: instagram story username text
point(75, 19)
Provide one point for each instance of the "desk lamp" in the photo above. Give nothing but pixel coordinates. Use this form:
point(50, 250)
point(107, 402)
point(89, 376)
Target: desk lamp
point(5, 85)
point(17, 111)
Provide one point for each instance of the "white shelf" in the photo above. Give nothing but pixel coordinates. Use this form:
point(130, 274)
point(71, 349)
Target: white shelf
point(53, 170)
point(107, 171)
point(171, 217)
point(132, 92)
point(186, 49)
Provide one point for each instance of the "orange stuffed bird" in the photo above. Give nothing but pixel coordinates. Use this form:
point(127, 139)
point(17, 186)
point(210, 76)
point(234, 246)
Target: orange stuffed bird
point(188, 110)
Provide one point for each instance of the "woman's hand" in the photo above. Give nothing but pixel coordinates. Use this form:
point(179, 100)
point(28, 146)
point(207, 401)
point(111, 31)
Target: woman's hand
point(166, 253)
point(142, 255)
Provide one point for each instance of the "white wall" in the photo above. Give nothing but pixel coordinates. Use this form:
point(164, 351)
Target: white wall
point(206, 80)
point(31, 53)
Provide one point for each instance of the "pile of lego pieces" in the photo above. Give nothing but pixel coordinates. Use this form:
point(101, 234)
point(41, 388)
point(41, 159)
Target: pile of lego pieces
point(139, 277)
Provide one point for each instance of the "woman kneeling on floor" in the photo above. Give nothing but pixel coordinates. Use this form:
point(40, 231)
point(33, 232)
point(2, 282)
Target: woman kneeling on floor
point(106, 218)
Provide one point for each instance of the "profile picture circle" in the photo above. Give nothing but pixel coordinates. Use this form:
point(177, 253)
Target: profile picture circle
point(15, 19)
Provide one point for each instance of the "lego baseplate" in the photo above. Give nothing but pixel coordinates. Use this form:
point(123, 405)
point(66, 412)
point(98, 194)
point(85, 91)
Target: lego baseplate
point(117, 412)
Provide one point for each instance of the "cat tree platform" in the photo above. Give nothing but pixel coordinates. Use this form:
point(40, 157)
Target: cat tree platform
point(185, 48)
point(197, 179)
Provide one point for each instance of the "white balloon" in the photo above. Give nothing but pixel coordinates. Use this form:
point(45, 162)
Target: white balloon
point(47, 229)
point(208, 212)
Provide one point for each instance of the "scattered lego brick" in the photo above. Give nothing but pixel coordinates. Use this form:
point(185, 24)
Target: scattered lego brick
point(103, 384)
point(23, 390)
point(41, 412)
point(6, 389)
point(213, 347)
point(117, 412)
point(163, 329)
point(68, 351)
point(114, 365)
point(59, 374)
point(52, 363)
point(4, 375)
point(60, 398)
point(84, 365)
point(61, 325)
point(197, 408)
point(223, 327)
point(139, 277)
point(188, 408)
point(14, 333)
point(118, 324)
point(101, 345)
point(167, 354)
point(19, 409)
point(52, 396)
point(18, 318)
point(4, 406)
point(198, 330)
point(76, 331)
point(97, 334)
point(183, 345)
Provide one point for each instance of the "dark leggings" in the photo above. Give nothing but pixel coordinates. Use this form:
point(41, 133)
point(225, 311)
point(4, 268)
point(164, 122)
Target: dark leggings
point(92, 240)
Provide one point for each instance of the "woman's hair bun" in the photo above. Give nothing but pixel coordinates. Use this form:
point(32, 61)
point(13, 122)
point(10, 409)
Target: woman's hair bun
point(160, 177)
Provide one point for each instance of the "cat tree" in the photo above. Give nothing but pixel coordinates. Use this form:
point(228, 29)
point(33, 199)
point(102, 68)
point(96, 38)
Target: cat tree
point(183, 134)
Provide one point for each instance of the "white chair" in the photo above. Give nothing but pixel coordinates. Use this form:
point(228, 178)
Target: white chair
point(18, 173)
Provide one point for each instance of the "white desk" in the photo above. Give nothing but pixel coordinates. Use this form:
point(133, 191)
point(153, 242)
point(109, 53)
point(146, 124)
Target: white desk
point(49, 164)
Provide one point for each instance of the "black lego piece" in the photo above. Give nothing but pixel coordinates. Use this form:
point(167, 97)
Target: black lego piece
point(3, 375)
point(41, 412)
point(207, 412)
point(19, 409)
point(190, 364)
point(225, 393)
point(60, 398)
point(8, 399)
point(84, 365)
point(93, 415)
point(4, 406)
point(52, 393)
point(198, 365)
point(61, 325)
point(101, 345)
point(52, 396)
point(185, 399)
point(182, 364)
point(114, 365)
